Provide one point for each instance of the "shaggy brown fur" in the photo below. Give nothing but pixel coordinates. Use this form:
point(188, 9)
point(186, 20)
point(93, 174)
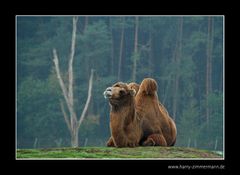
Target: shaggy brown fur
point(134, 86)
point(158, 128)
point(167, 125)
point(124, 122)
point(141, 120)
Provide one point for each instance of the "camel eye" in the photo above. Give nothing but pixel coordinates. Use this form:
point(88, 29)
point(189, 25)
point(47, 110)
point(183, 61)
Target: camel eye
point(122, 92)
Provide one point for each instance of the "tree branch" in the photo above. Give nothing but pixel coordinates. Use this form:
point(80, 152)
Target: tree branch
point(88, 99)
point(62, 85)
point(70, 72)
point(71, 121)
point(70, 67)
point(66, 118)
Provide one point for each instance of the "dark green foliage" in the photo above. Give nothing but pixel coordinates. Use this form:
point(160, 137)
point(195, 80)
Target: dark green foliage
point(174, 56)
point(38, 111)
point(213, 132)
point(188, 118)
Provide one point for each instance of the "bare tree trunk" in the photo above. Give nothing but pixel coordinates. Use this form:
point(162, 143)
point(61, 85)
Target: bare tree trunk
point(189, 142)
point(135, 54)
point(207, 71)
point(177, 61)
point(211, 54)
point(62, 85)
point(72, 123)
point(216, 143)
point(86, 141)
point(112, 48)
point(150, 64)
point(209, 66)
point(70, 71)
point(35, 143)
point(121, 49)
point(74, 136)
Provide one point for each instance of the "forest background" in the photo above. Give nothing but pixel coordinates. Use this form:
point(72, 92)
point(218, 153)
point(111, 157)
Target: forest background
point(184, 54)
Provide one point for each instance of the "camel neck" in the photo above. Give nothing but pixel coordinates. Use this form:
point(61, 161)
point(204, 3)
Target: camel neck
point(124, 124)
point(123, 106)
point(124, 112)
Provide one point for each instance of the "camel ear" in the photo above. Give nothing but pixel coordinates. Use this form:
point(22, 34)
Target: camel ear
point(132, 92)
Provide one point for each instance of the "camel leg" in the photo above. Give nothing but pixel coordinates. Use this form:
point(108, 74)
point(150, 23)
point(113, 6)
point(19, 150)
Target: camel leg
point(155, 140)
point(132, 144)
point(110, 142)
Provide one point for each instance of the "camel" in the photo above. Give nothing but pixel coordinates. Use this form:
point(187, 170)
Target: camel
point(137, 117)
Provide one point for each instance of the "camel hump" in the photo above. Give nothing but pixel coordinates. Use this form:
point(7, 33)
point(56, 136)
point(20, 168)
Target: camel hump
point(148, 86)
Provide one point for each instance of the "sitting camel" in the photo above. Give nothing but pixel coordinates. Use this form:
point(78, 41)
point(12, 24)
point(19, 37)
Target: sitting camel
point(137, 117)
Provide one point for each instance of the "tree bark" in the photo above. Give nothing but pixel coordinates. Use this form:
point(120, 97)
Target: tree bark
point(72, 123)
point(74, 137)
point(88, 99)
point(177, 60)
point(135, 53)
point(121, 49)
point(211, 54)
point(150, 64)
point(66, 117)
point(112, 48)
point(209, 66)
point(70, 70)
point(62, 85)
point(73, 117)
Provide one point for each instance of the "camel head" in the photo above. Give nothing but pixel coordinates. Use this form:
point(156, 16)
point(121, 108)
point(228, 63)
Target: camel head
point(119, 93)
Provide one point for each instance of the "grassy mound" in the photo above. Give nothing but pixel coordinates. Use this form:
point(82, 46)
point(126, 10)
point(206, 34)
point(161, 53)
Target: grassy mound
point(117, 153)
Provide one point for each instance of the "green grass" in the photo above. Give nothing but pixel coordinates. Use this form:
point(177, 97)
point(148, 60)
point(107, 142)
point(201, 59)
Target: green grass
point(116, 153)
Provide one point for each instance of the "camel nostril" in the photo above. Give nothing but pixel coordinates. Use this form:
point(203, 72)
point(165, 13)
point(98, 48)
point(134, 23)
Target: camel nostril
point(109, 89)
point(108, 92)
